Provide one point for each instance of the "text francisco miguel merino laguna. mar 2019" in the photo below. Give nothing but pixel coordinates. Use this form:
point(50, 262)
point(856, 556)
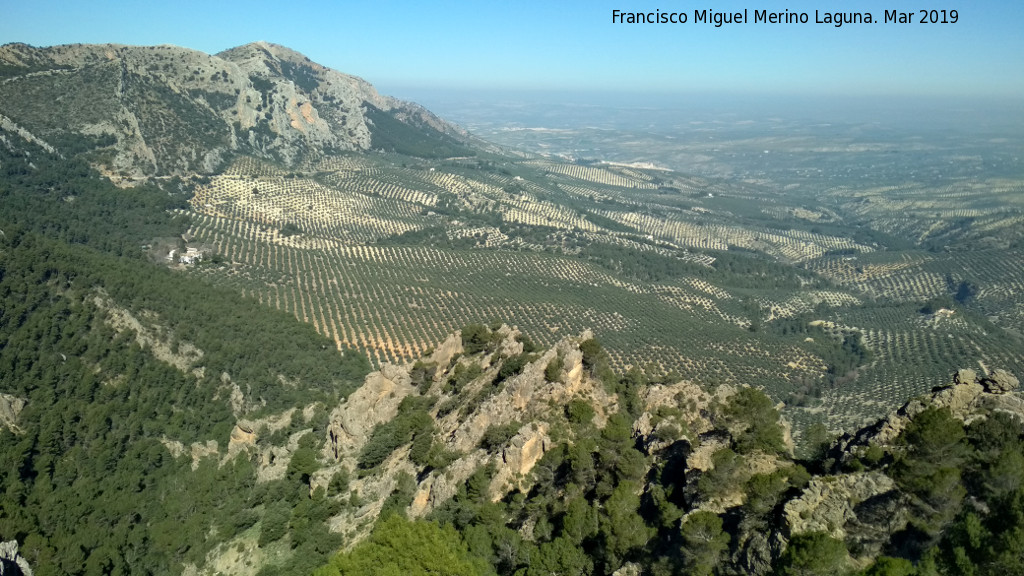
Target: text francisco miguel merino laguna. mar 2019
point(746, 16)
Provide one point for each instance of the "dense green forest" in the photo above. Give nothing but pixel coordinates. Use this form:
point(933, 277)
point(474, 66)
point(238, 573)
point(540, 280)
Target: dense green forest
point(87, 485)
point(422, 141)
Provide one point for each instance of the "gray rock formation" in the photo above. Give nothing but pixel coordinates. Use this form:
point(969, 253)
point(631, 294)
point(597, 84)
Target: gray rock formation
point(11, 563)
point(1000, 382)
point(865, 509)
point(10, 408)
point(679, 405)
point(969, 397)
point(519, 458)
point(527, 398)
point(242, 437)
point(754, 556)
point(444, 353)
point(375, 402)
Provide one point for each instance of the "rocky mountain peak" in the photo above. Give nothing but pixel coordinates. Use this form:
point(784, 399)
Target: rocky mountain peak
point(145, 111)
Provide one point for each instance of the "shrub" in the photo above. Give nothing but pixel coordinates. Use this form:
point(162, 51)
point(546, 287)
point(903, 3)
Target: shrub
point(513, 366)
point(579, 412)
point(338, 483)
point(553, 371)
point(497, 436)
point(419, 453)
point(400, 546)
point(290, 229)
point(475, 338)
point(592, 351)
point(704, 542)
point(814, 553)
point(422, 375)
point(753, 409)
point(275, 523)
point(464, 374)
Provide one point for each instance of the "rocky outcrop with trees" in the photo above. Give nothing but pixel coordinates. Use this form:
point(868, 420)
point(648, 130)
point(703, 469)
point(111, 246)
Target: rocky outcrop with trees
point(547, 462)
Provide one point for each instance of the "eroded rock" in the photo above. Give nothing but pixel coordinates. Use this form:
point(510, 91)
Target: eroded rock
point(518, 458)
point(1000, 382)
point(11, 562)
point(375, 402)
point(10, 409)
point(241, 437)
point(968, 398)
point(863, 508)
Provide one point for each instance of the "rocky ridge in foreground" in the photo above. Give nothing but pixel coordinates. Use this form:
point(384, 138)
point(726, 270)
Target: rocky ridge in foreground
point(486, 430)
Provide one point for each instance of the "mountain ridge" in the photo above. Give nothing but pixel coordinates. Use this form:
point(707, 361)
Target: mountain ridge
point(145, 111)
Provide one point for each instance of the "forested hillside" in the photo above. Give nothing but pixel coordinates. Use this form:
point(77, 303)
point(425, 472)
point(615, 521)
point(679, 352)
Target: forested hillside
point(108, 361)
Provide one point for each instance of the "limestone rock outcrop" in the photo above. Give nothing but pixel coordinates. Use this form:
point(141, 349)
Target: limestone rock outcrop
point(10, 408)
point(375, 402)
point(242, 436)
point(437, 489)
point(529, 396)
point(968, 397)
point(11, 562)
point(682, 406)
point(862, 508)
point(527, 399)
point(519, 457)
point(443, 354)
point(1000, 382)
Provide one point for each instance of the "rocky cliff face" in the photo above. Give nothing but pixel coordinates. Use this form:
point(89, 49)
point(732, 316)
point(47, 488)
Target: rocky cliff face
point(856, 499)
point(11, 563)
point(493, 429)
point(143, 111)
point(375, 402)
point(968, 398)
point(490, 430)
point(677, 422)
point(10, 408)
point(526, 400)
point(862, 508)
point(866, 509)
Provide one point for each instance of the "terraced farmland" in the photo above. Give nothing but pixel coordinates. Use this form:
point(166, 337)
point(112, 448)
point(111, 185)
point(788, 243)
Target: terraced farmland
point(351, 245)
point(396, 302)
point(964, 214)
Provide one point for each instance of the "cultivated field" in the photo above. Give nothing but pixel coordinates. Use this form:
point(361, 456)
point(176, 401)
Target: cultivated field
point(714, 281)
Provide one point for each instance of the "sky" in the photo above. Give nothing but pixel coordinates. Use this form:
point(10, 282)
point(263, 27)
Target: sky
point(570, 45)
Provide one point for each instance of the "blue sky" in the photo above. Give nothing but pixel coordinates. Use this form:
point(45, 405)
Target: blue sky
point(572, 45)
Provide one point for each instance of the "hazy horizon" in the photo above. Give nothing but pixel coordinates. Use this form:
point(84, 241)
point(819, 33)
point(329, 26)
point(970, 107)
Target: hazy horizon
point(663, 112)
